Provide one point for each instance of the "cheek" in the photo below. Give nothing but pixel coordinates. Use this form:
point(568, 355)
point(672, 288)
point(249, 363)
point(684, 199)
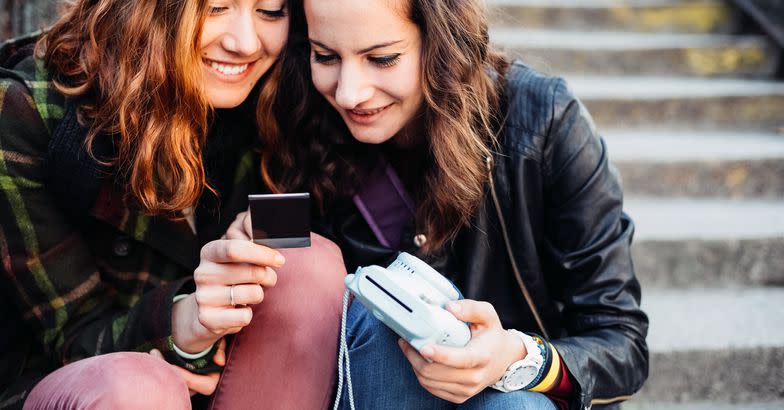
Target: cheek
point(404, 82)
point(413, 82)
point(324, 79)
point(208, 37)
point(273, 38)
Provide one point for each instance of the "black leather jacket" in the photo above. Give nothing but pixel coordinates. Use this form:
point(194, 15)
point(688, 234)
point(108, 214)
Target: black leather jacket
point(549, 246)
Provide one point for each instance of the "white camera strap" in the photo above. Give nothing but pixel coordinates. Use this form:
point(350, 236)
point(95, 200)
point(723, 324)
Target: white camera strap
point(343, 355)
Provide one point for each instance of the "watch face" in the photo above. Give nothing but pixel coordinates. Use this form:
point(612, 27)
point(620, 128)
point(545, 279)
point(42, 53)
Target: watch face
point(521, 377)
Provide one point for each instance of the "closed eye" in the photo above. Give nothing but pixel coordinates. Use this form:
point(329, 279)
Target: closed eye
point(324, 58)
point(275, 14)
point(385, 61)
point(216, 10)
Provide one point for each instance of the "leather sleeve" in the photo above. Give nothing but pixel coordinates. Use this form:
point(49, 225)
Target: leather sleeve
point(587, 259)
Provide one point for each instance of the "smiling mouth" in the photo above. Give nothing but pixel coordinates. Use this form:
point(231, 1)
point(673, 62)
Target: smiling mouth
point(227, 69)
point(369, 112)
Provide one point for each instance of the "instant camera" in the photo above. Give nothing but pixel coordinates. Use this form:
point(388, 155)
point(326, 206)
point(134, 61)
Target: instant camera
point(409, 296)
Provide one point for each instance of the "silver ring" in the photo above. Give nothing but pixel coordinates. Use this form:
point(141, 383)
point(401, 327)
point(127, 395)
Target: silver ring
point(231, 296)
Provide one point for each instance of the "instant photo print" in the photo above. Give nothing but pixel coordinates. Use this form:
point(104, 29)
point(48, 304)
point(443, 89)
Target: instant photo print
point(280, 220)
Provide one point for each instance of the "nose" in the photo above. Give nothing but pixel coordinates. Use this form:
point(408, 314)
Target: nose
point(241, 36)
point(354, 86)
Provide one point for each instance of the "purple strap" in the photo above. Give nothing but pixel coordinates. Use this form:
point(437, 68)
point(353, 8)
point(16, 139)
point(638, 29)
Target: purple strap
point(386, 206)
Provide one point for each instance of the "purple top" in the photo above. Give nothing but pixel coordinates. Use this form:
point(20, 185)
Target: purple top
point(385, 205)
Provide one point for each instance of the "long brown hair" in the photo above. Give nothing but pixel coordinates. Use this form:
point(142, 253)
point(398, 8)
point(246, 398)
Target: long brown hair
point(135, 69)
point(462, 84)
point(460, 80)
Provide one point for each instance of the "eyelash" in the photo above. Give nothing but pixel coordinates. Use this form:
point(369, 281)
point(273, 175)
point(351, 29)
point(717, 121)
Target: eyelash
point(383, 62)
point(274, 14)
point(324, 58)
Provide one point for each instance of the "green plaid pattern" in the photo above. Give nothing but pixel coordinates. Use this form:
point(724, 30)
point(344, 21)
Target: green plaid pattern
point(104, 284)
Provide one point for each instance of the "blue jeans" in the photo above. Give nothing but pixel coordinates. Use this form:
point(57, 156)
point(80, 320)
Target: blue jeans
point(382, 377)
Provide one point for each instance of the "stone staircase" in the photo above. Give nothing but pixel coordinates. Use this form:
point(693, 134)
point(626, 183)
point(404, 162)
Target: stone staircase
point(694, 121)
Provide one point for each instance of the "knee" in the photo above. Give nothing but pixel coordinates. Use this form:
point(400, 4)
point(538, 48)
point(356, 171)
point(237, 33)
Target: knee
point(138, 380)
point(312, 282)
point(122, 380)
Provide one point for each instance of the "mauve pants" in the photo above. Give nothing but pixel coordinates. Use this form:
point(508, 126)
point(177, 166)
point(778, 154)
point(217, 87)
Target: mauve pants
point(285, 359)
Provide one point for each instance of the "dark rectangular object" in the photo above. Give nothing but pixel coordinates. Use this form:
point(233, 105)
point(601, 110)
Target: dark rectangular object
point(281, 220)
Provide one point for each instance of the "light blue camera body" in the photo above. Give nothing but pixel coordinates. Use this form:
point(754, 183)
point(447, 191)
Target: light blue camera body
point(409, 296)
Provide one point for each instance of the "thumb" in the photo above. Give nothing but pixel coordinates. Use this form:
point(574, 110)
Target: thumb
point(156, 354)
point(220, 354)
point(247, 224)
point(477, 313)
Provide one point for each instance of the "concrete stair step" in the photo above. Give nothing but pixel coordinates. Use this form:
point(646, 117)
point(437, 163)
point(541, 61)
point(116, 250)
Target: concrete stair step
point(706, 219)
point(613, 53)
point(715, 344)
point(688, 243)
point(691, 16)
point(694, 263)
point(737, 164)
point(681, 102)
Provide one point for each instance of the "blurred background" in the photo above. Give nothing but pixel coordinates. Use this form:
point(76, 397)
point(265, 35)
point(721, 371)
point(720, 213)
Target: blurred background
point(689, 95)
point(690, 98)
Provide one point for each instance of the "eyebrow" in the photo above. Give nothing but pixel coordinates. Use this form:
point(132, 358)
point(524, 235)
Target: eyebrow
point(364, 50)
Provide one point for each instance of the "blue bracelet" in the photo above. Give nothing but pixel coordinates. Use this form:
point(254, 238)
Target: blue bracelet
point(544, 352)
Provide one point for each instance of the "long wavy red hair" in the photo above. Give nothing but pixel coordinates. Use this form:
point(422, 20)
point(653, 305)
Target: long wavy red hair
point(135, 69)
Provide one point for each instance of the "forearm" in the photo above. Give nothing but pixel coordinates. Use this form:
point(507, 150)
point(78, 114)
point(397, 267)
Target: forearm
point(612, 360)
point(187, 332)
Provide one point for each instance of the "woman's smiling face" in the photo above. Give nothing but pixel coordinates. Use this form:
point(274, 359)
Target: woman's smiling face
point(240, 40)
point(366, 61)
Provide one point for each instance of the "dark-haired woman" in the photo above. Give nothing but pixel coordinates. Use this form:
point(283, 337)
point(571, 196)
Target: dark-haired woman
point(128, 144)
point(423, 139)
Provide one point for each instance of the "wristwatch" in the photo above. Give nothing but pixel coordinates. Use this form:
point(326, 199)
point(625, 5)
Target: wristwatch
point(522, 373)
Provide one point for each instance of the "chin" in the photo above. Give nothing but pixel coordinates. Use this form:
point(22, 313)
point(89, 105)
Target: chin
point(370, 134)
point(371, 137)
point(226, 101)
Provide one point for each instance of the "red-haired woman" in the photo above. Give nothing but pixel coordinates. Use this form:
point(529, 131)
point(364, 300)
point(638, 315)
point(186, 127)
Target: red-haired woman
point(421, 138)
point(128, 143)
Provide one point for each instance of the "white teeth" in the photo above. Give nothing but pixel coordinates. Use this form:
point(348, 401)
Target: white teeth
point(368, 112)
point(229, 69)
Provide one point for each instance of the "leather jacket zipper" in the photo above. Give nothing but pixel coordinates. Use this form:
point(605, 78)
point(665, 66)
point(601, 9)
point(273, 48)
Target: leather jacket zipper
point(510, 253)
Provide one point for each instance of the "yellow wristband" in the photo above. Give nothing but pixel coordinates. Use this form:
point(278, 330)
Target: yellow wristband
point(552, 374)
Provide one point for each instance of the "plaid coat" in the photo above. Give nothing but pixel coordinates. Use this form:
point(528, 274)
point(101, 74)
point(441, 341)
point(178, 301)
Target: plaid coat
point(79, 283)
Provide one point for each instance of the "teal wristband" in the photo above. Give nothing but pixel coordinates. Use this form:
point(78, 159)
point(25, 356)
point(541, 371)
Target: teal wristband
point(180, 352)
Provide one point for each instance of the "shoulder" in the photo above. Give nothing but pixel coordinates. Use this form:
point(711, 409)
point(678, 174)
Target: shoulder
point(533, 98)
point(30, 105)
point(542, 113)
point(24, 130)
point(23, 73)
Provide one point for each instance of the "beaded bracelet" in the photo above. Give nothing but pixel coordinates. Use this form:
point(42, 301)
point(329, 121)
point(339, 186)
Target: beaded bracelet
point(541, 344)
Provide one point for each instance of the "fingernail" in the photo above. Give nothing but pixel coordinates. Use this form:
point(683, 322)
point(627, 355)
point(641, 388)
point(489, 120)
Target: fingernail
point(279, 259)
point(427, 351)
point(453, 307)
